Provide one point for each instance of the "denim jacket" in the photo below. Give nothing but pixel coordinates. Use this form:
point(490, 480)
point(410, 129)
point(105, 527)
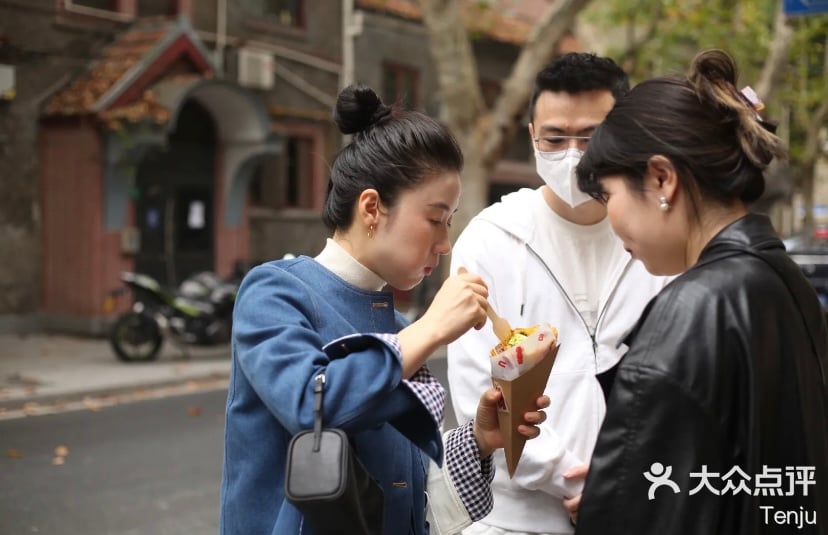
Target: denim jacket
point(287, 314)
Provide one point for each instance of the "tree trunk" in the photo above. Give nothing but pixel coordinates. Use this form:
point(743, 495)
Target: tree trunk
point(777, 55)
point(809, 162)
point(483, 135)
point(460, 94)
point(813, 150)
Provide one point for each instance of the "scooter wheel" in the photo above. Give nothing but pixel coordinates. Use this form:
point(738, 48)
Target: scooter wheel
point(135, 337)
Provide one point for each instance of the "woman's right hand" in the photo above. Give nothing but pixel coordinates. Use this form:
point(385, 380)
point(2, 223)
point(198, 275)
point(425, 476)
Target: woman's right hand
point(459, 305)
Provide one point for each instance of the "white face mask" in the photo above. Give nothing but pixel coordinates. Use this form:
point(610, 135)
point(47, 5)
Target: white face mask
point(557, 169)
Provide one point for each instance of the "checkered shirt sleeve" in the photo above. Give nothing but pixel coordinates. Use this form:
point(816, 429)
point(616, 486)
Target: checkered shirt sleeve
point(471, 475)
point(430, 393)
point(423, 384)
point(391, 340)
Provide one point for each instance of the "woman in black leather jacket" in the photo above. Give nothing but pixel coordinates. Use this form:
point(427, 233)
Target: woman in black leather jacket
point(717, 419)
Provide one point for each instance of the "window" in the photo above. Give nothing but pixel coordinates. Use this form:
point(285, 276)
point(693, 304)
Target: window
point(399, 84)
point(156, 8)
point(106, 5)
point(114, 10)
point(285, 181)
point(490, 90)
point(284, 12)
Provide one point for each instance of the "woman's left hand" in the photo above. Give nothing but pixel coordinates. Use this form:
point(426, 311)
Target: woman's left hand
point(486, 427)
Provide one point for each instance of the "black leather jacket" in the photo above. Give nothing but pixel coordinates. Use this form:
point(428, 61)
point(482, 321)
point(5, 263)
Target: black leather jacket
point(726, 368)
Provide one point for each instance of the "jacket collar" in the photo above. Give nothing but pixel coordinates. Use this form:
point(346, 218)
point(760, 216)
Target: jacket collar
point(753, 231)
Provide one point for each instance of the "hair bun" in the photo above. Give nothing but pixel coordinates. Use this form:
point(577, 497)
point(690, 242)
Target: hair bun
point(715, 66)
point(357, 108)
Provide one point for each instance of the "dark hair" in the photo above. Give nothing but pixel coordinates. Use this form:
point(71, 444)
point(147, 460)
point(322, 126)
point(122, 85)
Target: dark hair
point(715, 139)
point(392, 150)
point(578, 72)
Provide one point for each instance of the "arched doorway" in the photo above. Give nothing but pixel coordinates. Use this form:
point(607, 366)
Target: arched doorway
point(174, 208)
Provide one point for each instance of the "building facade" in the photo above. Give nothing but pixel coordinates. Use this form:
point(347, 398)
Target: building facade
point(170, 137)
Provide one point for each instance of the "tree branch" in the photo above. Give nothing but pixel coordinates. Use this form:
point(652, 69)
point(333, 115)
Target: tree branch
point(462, 99)
point(538, 50)
point(634, 44)
point(777, 55)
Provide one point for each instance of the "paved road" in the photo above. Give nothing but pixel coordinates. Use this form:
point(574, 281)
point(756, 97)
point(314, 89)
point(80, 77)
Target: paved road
point(145, 468)
point(141, 468)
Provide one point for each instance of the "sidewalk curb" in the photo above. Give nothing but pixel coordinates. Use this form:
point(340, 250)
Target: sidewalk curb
point(211, 380)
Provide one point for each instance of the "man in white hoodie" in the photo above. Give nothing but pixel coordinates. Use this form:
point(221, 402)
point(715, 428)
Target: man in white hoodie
point(548, 255)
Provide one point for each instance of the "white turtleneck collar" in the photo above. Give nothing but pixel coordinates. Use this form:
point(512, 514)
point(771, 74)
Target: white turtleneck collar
point(342, 264)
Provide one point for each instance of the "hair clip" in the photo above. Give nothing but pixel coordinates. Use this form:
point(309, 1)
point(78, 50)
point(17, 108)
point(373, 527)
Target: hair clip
point(750, 96)
point(752, 99)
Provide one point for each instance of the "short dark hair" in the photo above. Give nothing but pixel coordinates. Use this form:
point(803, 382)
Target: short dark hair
point(714, 138)
point(392, 150)
point(577, 72)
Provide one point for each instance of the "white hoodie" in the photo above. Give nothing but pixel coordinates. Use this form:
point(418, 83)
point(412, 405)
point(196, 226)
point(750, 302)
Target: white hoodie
point(506, 245)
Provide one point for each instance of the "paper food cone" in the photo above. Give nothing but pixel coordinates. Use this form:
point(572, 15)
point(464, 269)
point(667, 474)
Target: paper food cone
point(519, 397)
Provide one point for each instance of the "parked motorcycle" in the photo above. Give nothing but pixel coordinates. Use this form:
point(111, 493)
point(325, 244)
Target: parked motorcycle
point(199, 312)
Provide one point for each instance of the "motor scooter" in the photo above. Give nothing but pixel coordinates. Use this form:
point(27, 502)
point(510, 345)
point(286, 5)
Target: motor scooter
point(198, 312)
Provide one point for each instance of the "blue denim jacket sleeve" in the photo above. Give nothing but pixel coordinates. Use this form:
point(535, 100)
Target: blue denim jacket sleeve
point(279, 348)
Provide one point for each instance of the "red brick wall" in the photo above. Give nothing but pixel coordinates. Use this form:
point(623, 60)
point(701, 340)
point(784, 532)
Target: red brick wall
point(81, 261)
point(231, 244)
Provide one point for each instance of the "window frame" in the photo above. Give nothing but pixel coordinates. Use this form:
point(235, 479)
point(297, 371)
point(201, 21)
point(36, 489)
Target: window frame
point(400, 71)
point(269, 23)
point(312, 189)
point(123, 11)
point(490, 90)
point(119, 11)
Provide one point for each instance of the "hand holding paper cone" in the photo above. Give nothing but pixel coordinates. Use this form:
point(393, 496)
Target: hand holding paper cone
point(521, 371)
point(487, 425)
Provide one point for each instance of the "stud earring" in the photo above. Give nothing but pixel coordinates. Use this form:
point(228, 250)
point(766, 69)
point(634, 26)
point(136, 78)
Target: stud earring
point(663, 205)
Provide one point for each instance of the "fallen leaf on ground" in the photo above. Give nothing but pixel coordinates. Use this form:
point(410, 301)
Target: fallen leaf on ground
point(14, 454)
point(194, 411)
point(26, 380)
point(31, 408)
point(61, 451)
point(58, 461)
point(91, 404)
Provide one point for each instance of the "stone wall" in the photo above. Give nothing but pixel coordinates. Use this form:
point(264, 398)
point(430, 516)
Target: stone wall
point(45, 52)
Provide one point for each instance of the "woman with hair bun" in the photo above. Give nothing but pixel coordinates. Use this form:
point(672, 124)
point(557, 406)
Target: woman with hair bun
point(717, 416)
point(392, 193)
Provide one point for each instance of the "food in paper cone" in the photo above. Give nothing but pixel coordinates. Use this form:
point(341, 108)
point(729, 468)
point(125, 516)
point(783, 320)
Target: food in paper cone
point(524, 348)
point(521, 366)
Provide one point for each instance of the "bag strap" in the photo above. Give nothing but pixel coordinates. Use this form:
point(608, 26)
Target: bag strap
point(317, 410)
